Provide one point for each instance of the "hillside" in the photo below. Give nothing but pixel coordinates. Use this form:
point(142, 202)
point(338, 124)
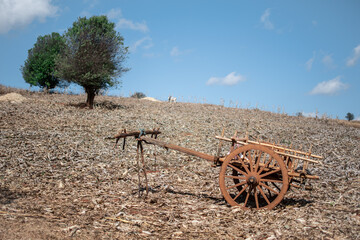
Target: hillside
point(61, 178)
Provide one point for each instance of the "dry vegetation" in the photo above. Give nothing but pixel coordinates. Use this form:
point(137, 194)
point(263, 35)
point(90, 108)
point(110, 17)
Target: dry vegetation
point(60, 178)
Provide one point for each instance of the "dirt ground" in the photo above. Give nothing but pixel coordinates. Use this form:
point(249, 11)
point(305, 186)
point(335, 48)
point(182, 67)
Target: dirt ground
point(60, 178)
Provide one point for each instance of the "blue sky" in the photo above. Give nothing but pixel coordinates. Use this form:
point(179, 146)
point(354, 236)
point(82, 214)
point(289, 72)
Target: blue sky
point(291, 56)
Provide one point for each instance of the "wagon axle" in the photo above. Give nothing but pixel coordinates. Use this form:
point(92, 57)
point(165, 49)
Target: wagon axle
point(252, 181)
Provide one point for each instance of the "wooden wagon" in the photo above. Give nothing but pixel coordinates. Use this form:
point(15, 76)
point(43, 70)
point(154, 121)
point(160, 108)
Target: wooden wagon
point(253, 175)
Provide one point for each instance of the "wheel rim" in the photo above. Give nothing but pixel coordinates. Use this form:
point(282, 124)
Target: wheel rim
point(253, 177)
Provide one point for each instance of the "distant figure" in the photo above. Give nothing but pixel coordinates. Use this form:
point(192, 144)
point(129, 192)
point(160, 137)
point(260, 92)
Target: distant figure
point(172, 99)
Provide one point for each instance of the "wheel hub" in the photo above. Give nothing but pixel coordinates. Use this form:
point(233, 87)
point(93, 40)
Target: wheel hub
point(252, 180)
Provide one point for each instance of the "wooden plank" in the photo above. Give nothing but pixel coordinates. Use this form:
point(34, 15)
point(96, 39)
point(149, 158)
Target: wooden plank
point(297, 157)
point(273, 146)
point(290, 172)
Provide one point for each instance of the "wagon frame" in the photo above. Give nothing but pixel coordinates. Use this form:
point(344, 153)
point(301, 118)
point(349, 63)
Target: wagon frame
point(254, 174)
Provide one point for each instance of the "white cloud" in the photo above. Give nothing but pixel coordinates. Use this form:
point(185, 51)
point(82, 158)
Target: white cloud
point(124, 23)
point(129, 24)
point(328, 61)
point(309, 63)
point(91, 3)
point(175, 52)
point(114, 13)
point(355, 57)
point(19, 13)
point(86, 13)
point(151, 55)
point(230, 79)
point(265, 19)
point(149, 45)
point(330, 87)
point(146, 42)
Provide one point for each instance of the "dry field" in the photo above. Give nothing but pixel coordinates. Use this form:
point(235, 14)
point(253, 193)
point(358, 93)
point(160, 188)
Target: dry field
point(61, 179)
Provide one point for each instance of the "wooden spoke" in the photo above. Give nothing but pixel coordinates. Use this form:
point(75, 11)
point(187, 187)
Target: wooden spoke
point(235, 177)
point(250, 161)
point(238, 195)
point(265, 165)
point(256, 199)
point(269, 188)
point(275, 186)
point(236, 185)
point(237, 169)
point(247, 197)
point(258, 161)
point(243, 164)
point(269, 192)
point(269, 173)
point(263, 194)
point(254, 157)
point(270, 180)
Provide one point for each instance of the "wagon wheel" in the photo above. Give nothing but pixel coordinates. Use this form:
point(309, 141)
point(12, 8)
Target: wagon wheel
point(253, 176)
point(237, 180)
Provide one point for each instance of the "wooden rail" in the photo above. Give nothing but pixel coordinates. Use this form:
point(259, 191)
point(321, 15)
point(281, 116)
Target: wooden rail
point(277, 149)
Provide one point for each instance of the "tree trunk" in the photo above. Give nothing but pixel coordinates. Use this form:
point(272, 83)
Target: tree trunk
point(90, 97)
point(46, 90)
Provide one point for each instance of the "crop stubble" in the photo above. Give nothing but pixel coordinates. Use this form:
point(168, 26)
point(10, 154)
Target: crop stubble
point(60, 178)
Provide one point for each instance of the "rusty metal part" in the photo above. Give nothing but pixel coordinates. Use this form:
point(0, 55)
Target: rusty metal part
point(261, 175)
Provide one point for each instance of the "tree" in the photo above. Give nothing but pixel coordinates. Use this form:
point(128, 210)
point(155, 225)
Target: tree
point(299, 114)
point(94, 55)
point(138, 95)
point(39, 66)
point(349, 116)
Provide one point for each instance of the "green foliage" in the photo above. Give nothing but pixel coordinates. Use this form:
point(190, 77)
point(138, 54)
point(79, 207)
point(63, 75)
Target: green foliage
point(39, 66)
point(138, 95)
point(299, 114)
point(349, 116)
point(94, 55)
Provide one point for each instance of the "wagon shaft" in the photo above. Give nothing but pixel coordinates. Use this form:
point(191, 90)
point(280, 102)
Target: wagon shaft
point(178, 148)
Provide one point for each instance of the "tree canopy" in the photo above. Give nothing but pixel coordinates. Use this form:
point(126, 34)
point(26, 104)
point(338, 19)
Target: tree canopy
point(39, 66)
point(349, 116)
point(94, 55)
point(138, 95)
